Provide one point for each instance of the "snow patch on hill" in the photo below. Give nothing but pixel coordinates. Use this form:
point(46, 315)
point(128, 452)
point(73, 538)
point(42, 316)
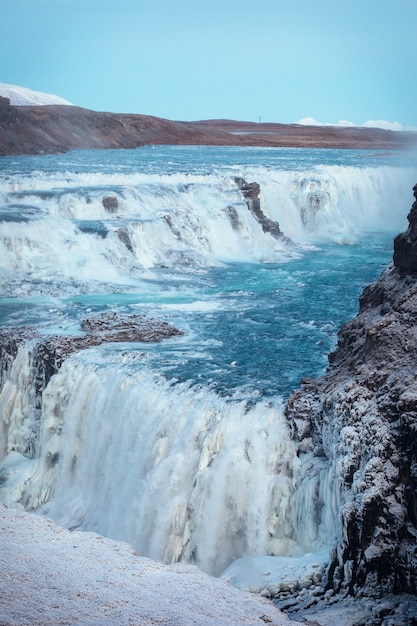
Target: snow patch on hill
point(21, 96)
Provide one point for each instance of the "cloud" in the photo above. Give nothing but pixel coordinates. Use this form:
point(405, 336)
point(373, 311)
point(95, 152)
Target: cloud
point(386, 125)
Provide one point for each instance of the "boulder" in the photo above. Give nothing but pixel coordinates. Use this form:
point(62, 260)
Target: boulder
point(111, 204)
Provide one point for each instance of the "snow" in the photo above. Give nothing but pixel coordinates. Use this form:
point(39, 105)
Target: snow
point(21, 96)
point(53, 576)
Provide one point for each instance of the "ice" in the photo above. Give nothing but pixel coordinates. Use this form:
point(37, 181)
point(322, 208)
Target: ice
point(225, 473)
point(270, 575)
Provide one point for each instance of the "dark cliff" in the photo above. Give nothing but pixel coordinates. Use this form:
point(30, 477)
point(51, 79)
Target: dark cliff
point(362, 417)
point(59, 128)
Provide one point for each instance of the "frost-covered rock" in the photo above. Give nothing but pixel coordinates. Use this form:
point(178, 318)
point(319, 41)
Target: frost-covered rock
point(362, 418)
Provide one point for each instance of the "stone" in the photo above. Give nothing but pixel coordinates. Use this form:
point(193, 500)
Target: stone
point(124, 237)
point(251, 193)
point(10, 341)
point(405, 244)
point(362, 417)
point(111, 204)
point(233, 216)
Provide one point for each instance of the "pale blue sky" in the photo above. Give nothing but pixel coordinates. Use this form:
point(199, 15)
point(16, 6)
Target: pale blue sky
point(278, 60)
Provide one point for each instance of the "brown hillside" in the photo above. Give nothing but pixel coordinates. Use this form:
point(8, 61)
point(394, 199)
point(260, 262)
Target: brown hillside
point(58, 128)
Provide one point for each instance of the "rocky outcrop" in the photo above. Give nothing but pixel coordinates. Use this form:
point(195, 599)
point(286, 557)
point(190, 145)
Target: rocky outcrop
point(251, 193)
point(362, 417)
point(44, 357)
point(49, 353)
point(8, 113)
point(405, 244)
point(123, 235)
point(10, 341)
point(111, 204)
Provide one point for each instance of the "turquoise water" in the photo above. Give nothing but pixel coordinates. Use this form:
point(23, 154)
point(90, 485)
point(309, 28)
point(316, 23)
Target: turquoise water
point(253, 331)
point(252, 328)
point(201, 159)
point(182, 448)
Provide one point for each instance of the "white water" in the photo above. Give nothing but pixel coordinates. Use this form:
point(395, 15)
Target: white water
point(176, 469)
point(179, 220)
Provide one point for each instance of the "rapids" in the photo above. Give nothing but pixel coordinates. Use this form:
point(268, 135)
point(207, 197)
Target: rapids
point(182, 448)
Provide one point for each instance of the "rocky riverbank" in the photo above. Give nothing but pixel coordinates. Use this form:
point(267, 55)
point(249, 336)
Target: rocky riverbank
point(361, 416)
point(360, 419)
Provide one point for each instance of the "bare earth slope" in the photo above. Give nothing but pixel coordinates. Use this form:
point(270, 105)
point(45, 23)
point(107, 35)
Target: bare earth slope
point(59, 128)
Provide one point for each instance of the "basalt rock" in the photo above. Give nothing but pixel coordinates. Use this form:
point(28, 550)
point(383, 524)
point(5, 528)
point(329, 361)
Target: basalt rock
point(251, 193)
point(405, 244)
point(233, 216)
point(111, 204)
point(117, 327)
point(49, 353)
point(124, 237)
point(362, 417)
point(10, 341)
point(45, 356)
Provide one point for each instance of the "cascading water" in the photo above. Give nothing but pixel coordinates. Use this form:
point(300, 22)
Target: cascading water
point(182, 448)
point(62, 224)
point(179, 472)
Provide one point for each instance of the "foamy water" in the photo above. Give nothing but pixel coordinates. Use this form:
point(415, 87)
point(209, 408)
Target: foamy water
point(182, 448)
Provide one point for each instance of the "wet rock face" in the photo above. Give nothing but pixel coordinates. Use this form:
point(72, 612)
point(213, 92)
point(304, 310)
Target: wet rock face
point(405, 244)
point(362, 416)
point(124, 237)
point(111, 204)
point(251, 192)
point(10, 341)
point(49, 353)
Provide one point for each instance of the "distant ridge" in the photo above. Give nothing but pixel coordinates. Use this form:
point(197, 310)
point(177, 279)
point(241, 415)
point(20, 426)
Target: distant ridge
point(29, 127)
point(21, 96)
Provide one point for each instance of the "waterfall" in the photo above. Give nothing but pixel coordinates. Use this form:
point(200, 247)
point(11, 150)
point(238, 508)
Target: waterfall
point(84, 230)
point(182, 449)
point(179, 472)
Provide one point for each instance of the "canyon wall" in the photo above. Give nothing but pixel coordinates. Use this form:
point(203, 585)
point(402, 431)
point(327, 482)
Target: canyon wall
point(361, 416)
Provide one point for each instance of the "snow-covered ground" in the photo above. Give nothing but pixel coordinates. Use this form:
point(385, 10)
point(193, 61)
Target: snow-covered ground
point(21, 96)
point(270, 575)
point(52, 576)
